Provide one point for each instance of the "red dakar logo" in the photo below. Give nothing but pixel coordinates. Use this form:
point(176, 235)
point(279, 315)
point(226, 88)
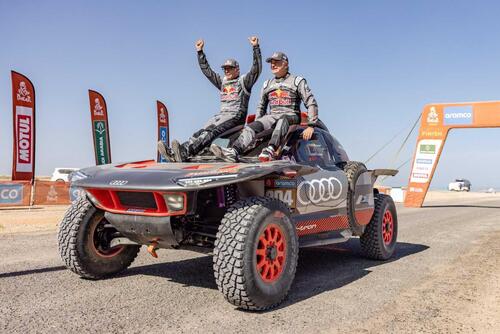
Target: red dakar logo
point(280, 98)
point(24, 139)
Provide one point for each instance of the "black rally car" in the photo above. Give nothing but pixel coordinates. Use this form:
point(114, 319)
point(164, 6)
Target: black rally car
point(252, 216)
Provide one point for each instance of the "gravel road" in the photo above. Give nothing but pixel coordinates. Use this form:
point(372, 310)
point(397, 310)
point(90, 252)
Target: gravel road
point(444, 278)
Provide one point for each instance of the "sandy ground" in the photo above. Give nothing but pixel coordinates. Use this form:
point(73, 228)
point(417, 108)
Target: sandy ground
point(444, 278)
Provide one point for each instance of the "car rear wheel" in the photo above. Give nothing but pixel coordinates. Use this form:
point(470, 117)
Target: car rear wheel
point(255, 254)
point(379, 239)
point(84, 243)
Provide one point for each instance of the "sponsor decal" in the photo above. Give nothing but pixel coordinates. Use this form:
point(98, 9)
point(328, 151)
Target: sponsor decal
point(75, 193)
point(458, 115)
point(420, 175)
point(432, 116)
point(319, 190)
point(425, 159)
point(306, 227)
point(279, 97)
point(101, 142)
point(281, 183)
point(98, 109)
point(23, 94)
point(163, 138)
point(118, 182)
point(228, 93)
point(24, 137)
point(11, 193)
point(427, 149)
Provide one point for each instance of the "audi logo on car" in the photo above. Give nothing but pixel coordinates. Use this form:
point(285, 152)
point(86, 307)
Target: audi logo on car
point(118, 182)
point(317, 191)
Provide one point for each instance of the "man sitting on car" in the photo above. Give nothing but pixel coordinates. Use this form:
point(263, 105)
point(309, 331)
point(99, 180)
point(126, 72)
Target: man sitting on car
point(283, 94)
point(234, 96)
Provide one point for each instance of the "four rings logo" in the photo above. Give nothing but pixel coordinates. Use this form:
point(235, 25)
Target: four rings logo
point(317, 191)
point(118, 183)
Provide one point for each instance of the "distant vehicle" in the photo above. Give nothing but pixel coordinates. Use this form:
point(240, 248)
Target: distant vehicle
point(459, 185)
point(61, 174)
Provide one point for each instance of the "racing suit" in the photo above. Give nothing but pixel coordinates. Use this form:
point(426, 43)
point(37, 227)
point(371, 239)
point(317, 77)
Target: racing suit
point(283, 95)
point(234, 97)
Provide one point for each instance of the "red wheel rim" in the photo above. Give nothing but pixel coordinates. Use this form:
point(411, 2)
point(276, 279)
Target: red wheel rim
point(99, 241)
point(271, 253)
point(387, 227)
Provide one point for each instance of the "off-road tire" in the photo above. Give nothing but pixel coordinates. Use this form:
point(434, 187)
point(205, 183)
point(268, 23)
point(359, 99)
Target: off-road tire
point(353, 170)
point(373, 245)
point(235, 258)
point(76, 249)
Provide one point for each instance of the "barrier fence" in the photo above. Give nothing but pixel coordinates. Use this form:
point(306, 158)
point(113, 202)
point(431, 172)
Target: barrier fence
point(15, 193)
point(22, 193)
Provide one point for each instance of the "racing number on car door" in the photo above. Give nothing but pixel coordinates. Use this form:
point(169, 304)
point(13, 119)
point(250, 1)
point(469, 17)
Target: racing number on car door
point(285, 195)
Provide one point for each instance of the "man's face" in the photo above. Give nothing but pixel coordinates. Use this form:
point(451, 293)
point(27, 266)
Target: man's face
point(231, 72)
point(279, 68)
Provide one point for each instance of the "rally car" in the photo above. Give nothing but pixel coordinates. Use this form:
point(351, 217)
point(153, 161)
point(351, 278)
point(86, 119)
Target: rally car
point(252, 216)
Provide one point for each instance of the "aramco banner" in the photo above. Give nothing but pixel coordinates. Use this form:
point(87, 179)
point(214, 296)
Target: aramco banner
point(100, 128)
point(23, 109)
point(163, 127)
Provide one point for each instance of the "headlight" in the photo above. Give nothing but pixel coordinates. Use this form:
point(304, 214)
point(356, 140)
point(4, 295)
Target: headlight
point(75, 176)
point(175, 201)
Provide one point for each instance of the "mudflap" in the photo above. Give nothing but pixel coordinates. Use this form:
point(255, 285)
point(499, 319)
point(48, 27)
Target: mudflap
point(144, 229)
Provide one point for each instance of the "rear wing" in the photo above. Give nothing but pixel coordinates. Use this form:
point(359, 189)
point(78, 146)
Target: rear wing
point(387, 172)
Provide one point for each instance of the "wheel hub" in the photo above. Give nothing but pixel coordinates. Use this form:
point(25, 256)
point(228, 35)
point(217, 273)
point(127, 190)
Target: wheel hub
point(387, 227)
point(271, 253)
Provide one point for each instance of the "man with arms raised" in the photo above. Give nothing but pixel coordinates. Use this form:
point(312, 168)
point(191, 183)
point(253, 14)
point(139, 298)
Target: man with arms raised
point(234, 96)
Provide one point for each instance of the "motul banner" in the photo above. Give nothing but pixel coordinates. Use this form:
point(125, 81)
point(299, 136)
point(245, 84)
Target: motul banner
point(23, 110)
point(100, 128)
point(163, 127)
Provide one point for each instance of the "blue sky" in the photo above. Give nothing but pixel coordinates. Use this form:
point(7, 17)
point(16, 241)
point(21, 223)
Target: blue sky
point(372, 66)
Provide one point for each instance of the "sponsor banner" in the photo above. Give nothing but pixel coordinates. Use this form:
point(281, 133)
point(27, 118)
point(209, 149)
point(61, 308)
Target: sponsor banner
point(163, 127)
point(100, 128)
point(15, 193)
point(23, 103)
point(51, 193)
point(458, 115)
point(425, 159)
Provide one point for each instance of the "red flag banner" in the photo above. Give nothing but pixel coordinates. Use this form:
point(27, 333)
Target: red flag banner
point(23, 110)
point(163, 127)
point(100, 128)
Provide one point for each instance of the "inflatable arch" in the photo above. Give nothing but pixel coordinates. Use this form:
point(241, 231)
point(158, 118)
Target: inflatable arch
point(437, 120)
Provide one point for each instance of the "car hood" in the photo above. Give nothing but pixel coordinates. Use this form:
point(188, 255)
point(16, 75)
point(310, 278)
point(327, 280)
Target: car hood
point(149, 175)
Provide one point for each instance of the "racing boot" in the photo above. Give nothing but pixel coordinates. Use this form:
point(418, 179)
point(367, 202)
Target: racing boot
point(226, 154)
point(267, 154)
point(165, 151)
point(181, 153)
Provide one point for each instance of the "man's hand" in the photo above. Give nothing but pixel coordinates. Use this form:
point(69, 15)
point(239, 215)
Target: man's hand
point(254, 40)
point(307, 133)
point(199, 45)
